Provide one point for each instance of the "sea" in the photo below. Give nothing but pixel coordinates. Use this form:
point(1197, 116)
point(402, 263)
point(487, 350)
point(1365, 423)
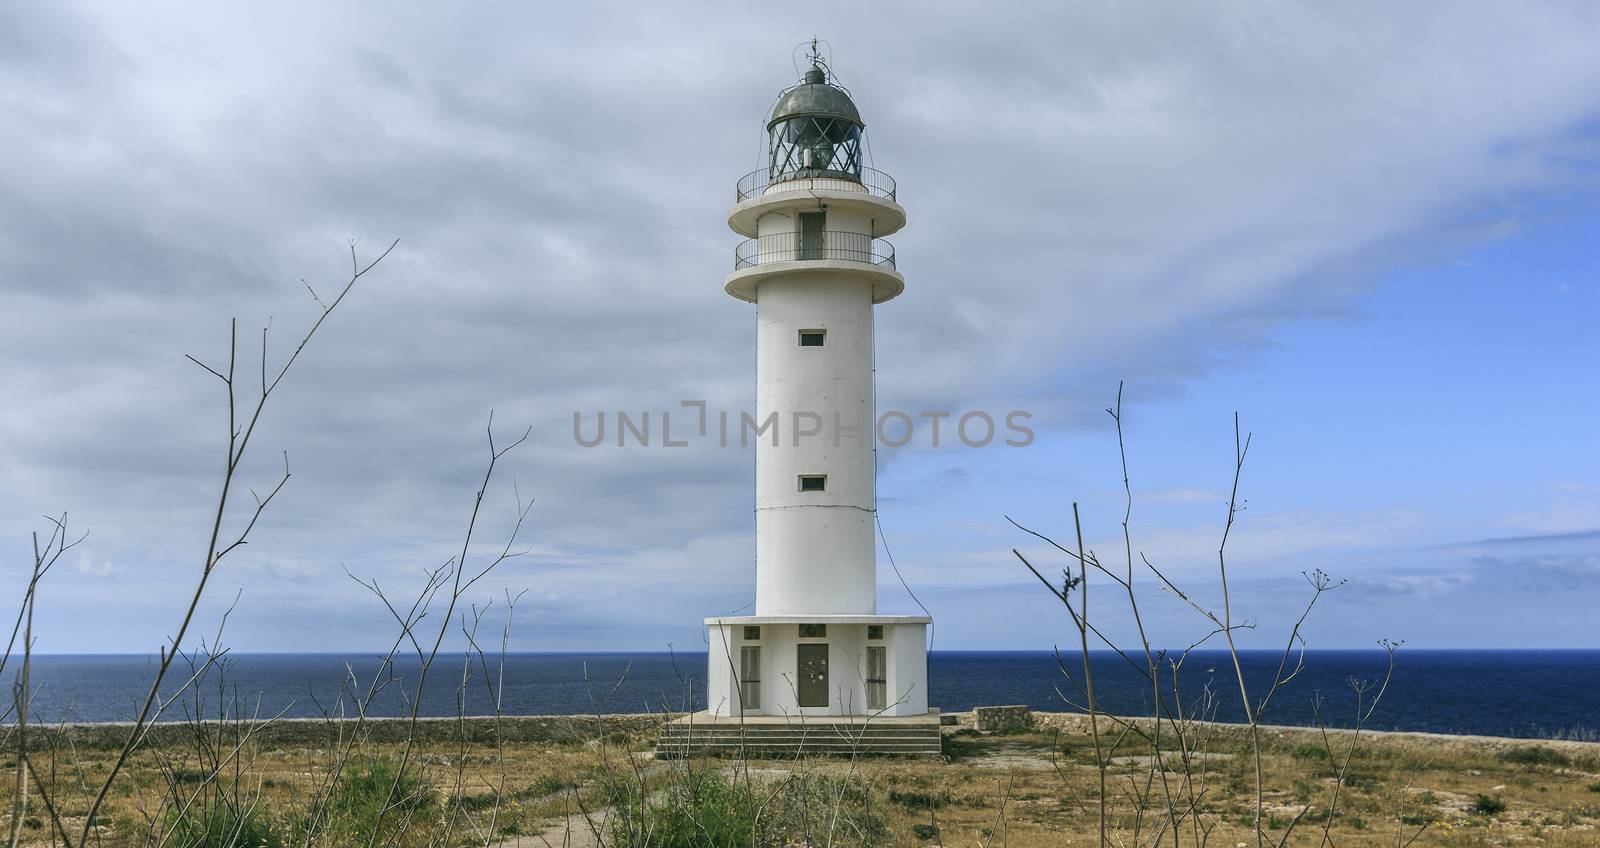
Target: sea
point(1519, 693)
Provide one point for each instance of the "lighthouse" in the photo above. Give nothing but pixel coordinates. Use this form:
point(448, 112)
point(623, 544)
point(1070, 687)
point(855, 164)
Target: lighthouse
point(814, 266)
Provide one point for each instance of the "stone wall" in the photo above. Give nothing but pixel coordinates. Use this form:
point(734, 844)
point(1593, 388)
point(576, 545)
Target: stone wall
point(322, 733)
point(1001, 719)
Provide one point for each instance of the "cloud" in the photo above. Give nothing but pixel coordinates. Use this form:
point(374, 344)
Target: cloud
point(1542, 538)
point(101, 570)
point(1417, 585)
point(1092, 192)
point(1542, 574)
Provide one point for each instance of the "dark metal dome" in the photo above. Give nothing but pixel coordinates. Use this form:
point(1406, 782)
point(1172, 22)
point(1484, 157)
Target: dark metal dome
point(815, 96)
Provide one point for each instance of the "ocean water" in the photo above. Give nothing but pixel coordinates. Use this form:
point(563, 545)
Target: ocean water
point(1534, 693)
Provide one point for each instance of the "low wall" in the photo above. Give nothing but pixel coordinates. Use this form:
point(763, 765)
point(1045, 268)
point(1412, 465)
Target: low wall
point(1079, 723)
point(1002, 719)
point(321, 733)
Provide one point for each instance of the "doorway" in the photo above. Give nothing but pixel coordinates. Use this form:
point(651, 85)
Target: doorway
point(813, 668)
point(750, 677)
point(877, 677)
point(813, 244)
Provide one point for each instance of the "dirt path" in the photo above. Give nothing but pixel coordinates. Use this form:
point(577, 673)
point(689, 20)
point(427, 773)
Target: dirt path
point(575, 832)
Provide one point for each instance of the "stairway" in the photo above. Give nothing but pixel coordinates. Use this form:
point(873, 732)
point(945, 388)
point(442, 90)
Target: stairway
point(781, 736)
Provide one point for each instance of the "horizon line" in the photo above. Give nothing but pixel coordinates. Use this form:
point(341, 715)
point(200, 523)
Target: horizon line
point(1046, 651)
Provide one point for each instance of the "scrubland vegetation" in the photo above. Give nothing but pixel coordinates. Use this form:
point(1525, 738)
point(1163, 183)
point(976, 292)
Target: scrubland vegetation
point(1031, 787)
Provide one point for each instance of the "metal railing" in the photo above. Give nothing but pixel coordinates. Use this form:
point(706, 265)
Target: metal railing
point(827, 244)
point(756, 183)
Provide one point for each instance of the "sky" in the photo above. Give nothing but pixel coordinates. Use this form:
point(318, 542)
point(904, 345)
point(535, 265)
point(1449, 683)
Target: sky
point(1369, 230)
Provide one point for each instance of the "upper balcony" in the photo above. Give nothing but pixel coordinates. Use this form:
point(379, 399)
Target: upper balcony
point(760, 183)
point(870, 192)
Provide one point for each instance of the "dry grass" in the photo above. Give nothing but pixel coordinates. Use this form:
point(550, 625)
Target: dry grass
point(1022, 790)
point(544, 783)
point(1396, 784)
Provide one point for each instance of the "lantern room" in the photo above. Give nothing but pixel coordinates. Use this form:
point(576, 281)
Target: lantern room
point(814, 131)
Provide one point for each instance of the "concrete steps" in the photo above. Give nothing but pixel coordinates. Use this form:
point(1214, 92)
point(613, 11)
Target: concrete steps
point(815, 736)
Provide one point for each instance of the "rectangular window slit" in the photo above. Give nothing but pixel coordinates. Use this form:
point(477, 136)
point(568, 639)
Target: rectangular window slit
point(813, 482)
point(813, 338)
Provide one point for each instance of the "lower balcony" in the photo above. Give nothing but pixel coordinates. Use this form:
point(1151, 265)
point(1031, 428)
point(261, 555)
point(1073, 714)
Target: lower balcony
point(834, 245)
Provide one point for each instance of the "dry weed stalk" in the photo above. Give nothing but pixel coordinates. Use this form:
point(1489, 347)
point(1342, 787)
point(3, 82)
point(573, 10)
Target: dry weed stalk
point(56, 544)
point(242, 418)
point(238, 442)
point(1166, 800)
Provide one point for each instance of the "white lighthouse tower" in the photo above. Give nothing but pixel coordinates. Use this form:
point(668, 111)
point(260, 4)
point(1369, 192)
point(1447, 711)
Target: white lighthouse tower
point(815, 266)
